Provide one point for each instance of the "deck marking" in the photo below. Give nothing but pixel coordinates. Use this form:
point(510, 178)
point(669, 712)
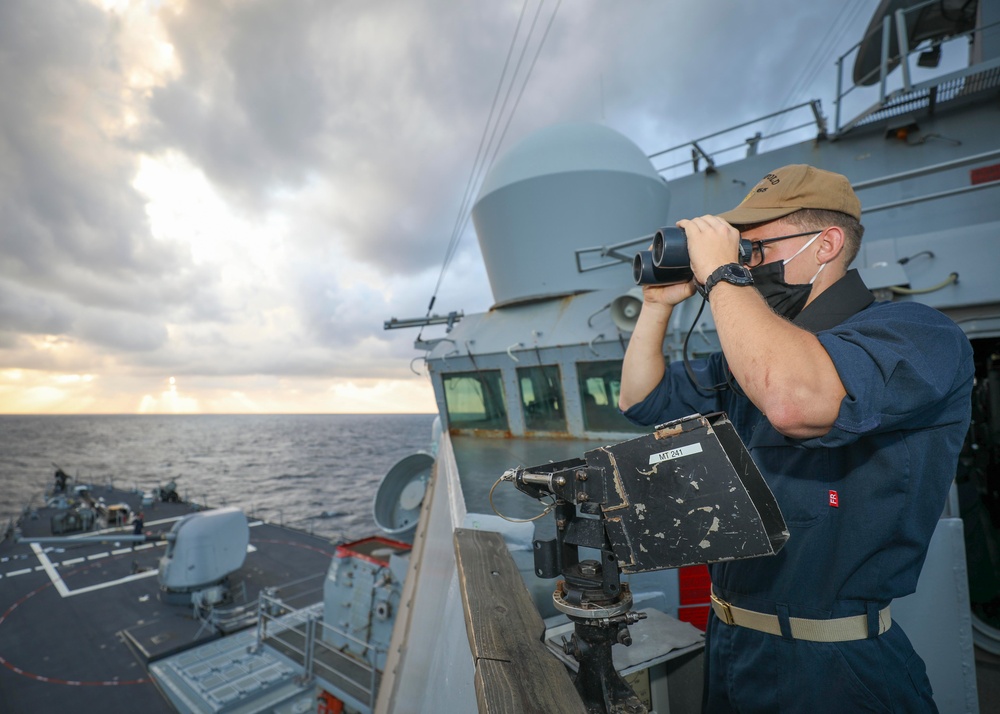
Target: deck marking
point(73, 561)
point(18, 572)
point(50, 570)
point(95, 556)
point(112, 583)
point(61, 585)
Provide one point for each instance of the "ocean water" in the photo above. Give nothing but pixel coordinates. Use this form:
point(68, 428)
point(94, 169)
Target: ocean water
point(315, 472)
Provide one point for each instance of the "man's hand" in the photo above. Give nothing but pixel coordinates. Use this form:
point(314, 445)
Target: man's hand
point(643, 366)
point(711, 242)
point(667, 295)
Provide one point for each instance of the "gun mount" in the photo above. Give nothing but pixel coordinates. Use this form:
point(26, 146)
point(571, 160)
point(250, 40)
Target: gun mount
point(203, 549)
point(687, 494)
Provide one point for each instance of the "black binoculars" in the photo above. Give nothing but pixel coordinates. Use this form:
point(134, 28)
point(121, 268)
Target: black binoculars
point(668, 261)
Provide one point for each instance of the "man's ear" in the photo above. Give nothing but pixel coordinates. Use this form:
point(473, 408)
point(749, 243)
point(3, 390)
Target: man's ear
point(831, 244)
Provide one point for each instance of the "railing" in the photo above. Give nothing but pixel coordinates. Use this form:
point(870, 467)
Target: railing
point(706, 152)
point(699, 150)
point(604, 256)
point(340, 663)
point(927, 171)
point(907, 93)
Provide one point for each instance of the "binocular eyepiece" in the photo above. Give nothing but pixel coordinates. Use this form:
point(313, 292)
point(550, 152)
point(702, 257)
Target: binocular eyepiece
point(668, 260)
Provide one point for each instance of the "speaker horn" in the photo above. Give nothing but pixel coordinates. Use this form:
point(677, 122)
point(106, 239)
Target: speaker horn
point(625, 309)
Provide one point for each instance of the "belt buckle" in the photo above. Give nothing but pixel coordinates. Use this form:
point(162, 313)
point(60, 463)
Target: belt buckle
point(726, 613)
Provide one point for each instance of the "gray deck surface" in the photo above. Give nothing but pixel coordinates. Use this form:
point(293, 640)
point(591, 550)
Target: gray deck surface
point(76, 630)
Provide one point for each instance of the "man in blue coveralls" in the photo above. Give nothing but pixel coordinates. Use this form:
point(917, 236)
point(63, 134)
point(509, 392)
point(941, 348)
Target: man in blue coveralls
point(854, 411)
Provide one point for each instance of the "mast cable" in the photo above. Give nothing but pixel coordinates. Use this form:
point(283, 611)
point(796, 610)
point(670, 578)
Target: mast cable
point(517, 101)
point(817, 61)
point(480, 167)
point(471, 181)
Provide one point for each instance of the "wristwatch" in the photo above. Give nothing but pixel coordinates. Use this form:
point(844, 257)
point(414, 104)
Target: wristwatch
point(733, 273)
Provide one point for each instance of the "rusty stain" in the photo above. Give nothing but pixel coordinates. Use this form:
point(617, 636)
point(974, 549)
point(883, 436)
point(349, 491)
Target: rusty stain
point(482, 433)
point(616, 479)
point(563, 435)
point(668, 433)
point(508, 434)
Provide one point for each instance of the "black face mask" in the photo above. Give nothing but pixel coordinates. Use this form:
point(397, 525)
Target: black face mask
point(785, 299)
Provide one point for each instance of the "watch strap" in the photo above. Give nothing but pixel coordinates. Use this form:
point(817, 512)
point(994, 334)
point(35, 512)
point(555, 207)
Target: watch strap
point(724, 272)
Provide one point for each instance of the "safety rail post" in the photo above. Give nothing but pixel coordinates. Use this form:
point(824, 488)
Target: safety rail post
point(884, 66)
point(374, 674)
point(817, 111)
point(261, 622)
point(904, 48)
point(310, 646)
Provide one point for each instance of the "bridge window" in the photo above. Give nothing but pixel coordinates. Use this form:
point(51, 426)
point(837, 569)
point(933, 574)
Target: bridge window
point(542, 398)
point(475, 400)
point(600, 385)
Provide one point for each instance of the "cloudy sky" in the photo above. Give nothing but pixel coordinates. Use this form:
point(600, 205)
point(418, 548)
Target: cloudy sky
point(213, 205)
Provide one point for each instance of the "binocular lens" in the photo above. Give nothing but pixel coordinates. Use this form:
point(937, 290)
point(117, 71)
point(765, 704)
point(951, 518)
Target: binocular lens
point(645, 272)
point(668, 260)
point(670, 248)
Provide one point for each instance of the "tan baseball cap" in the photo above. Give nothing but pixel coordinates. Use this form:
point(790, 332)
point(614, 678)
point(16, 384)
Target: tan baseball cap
point(792, 188)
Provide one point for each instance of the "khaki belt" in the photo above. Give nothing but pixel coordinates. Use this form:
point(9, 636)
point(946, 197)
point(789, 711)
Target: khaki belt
point(841, 629)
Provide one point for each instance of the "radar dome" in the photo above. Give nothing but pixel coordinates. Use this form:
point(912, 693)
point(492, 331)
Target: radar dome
point(563, 188)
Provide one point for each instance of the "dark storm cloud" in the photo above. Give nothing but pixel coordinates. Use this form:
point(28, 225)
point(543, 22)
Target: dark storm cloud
point(249, 106)
point(379, 100)
point(74, 232)
point(26, 310)
point(32, 312)
point(125, 332)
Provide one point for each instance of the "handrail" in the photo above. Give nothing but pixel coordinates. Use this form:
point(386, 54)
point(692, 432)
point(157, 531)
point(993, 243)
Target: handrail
point(902, 57)
point(733, 128)
point(926, 170)
point(932, 196)
point(613, 251)
point(317, 657)
point(698, 151)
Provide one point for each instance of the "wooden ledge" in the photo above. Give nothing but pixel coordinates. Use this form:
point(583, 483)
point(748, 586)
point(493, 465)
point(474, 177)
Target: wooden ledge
point(515, 671)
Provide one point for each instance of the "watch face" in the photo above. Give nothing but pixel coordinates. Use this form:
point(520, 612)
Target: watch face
point(737, 274)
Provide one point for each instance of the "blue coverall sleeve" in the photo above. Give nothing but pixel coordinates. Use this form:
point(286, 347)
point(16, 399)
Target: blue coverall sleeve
point(676, 397)
point(902, 365)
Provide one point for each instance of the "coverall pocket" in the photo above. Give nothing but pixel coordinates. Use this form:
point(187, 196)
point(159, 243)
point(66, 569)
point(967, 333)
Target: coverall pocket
point(794, 474)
